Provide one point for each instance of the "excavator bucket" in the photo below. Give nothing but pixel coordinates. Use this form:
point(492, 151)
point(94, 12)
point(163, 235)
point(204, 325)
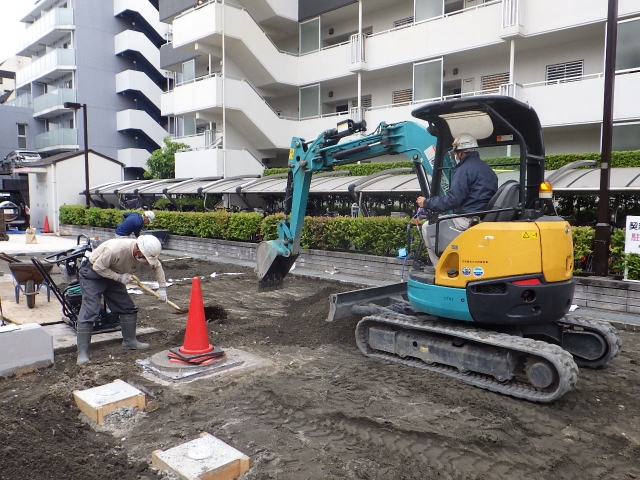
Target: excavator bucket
point(274, 262)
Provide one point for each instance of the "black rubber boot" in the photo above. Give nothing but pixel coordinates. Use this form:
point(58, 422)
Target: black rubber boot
point(128, 327)
point(84, 331)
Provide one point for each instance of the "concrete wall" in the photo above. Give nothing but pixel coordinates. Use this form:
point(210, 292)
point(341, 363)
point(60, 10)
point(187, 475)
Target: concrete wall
point(10, 117)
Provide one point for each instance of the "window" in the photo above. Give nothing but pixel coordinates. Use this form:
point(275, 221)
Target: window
point(22, 135)
point(366, 101)
point(403, 22)
point(565, 72)
point(491, 83)
point(402, 96)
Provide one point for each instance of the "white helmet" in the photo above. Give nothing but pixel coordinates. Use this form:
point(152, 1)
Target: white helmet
point(465, 141)
point(150, 215)
point(150, 247)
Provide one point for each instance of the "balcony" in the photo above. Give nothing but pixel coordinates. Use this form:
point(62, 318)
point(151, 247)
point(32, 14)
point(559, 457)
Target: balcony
point(51, 27)
point(134, 81)
point(23, 100)
point(62, 139)
point(136, 45)
point(212, 162)
point(145, 15)
point(52, 104)
point(140, 121)
point(47, 68)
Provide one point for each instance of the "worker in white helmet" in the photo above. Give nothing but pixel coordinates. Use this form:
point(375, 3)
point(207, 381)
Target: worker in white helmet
point(105, 275)
point(133, 223)
point(473, 183)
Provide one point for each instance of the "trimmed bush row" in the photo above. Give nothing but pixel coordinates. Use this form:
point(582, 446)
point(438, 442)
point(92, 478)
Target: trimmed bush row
point(382, 236)
point(553, 162)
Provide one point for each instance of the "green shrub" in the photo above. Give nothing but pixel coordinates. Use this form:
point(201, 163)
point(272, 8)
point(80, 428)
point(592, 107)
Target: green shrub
point(73, 214)
point(583, 238)
point(243, 226)
point(269, 226)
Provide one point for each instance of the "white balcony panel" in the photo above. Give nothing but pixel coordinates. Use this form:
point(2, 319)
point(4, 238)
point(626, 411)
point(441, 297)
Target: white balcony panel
point(191, 97)
point(133, 157)
point(627, 97)
point(145, 9)
point(628, 8)
point(203, 25)
point(47, 67)
point(139, 81)
point(194, 141)
point(215, 162)
point(568, 103)
point(424, 40)
point(138, 42)
point(197, 24)
point(46, 30)
point(140, 120)
point(568, 13)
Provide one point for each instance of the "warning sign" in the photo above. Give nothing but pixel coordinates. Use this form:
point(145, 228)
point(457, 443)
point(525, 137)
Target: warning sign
point(534, 235)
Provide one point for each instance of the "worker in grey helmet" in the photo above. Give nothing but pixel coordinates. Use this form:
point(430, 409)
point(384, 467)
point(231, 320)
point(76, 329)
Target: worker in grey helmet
point(133, 223)
point(105, 275)
point(473, 183)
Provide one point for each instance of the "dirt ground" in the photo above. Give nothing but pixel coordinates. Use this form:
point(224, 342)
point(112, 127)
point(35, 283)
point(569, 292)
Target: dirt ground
point(318, 409)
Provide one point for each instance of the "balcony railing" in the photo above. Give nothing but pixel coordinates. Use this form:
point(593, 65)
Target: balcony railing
point(23, 100)
point(53, 19)
point(59, 137)
point(54, 99)
point(58, 58)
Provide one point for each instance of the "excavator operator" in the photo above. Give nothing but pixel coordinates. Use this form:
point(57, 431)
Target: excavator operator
point(472, 186)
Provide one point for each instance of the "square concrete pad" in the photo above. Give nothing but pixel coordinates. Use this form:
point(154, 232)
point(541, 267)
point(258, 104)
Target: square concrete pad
point(97, 402)
point(205, 458)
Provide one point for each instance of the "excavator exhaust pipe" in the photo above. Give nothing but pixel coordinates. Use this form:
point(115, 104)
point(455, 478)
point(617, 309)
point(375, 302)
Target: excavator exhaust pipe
point(274, 263)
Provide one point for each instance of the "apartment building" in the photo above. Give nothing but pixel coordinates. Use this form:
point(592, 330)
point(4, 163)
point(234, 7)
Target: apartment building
point(104, 55)
point(250, 74)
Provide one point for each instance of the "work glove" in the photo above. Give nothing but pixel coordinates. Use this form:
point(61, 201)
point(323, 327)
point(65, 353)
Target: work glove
point(125, 278)
point(162, 294)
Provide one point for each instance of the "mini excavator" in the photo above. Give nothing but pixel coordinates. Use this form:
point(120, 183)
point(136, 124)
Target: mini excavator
point(490, 311)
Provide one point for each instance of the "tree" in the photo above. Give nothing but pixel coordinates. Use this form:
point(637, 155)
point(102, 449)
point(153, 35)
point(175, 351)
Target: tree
point(162, 162)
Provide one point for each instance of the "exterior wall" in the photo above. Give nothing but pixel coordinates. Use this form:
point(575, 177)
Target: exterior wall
point(98, 65)
point(10, 117)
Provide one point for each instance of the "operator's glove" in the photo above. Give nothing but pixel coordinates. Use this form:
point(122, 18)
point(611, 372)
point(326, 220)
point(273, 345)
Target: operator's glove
point(162, 294)
point(125, 278)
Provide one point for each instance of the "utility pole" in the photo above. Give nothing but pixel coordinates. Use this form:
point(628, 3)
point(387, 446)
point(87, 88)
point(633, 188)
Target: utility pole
point(603, 227)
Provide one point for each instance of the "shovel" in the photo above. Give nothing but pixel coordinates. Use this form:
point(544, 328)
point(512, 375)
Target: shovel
point(155, 294)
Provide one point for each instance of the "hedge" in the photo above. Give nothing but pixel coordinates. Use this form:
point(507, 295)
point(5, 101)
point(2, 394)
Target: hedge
point(553, 162)
point(382, 236)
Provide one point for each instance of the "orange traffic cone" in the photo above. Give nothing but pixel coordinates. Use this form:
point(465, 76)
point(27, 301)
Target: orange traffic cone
point(196, 348)
point(46, 228)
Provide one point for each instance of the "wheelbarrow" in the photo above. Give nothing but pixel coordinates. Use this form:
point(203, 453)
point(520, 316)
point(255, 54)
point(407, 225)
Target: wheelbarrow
point(29, 281)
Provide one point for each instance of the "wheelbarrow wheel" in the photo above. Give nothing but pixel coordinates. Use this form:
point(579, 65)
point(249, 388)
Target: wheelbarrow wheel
point(31, 293)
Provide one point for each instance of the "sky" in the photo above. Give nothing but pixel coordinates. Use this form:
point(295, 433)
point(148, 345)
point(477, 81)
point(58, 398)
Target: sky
point(11, 29)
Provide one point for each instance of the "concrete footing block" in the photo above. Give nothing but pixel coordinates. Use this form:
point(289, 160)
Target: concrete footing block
point(100, 401)
point(206, 457)
point(24, 348)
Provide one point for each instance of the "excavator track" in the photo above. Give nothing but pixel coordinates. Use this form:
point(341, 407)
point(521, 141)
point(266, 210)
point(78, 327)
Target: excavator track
point(608, 334)
point(522, 356)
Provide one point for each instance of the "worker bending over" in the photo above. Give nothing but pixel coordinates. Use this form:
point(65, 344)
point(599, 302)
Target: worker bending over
point(106, 274)
point(133, 223)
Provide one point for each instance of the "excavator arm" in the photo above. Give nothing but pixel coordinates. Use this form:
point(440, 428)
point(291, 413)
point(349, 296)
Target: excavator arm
point(276, 257)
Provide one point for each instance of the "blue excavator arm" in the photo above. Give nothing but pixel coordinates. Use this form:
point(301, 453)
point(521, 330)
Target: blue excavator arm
point(276, 257)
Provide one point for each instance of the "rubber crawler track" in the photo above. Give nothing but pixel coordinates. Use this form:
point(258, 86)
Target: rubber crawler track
point(605, 330)
point(566, 368)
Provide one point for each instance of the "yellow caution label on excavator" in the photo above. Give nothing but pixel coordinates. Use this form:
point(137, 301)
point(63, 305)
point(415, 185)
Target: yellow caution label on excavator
point(530, 235)
point(291, 154)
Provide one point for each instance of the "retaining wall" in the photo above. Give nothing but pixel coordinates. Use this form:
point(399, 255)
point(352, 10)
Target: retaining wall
point(596, 292)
